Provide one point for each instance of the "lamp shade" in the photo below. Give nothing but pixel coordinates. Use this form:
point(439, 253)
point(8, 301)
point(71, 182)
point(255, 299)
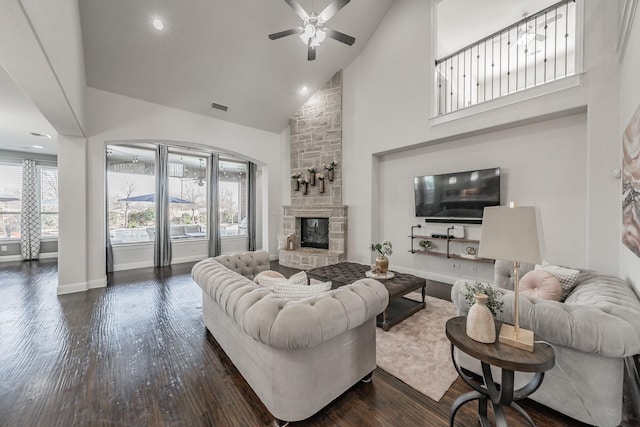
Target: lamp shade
point(512, 234)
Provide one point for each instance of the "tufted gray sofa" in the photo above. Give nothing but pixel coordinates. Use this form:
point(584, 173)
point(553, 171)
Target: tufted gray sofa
point(592, 332)
point(296, 355)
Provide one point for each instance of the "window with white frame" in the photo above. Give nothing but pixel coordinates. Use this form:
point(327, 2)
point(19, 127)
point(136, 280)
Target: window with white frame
point(188, 188)
point(232, 198)
point(10, 200)
point(48, 201)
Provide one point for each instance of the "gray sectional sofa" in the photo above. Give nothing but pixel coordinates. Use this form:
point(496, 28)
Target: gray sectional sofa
point(592, 332)
point(296, 355)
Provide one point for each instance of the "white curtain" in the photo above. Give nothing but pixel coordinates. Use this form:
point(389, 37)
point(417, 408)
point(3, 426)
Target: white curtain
point(30, 221)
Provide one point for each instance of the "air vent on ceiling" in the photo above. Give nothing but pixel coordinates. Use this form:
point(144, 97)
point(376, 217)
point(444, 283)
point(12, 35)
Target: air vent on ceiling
point(219, 106)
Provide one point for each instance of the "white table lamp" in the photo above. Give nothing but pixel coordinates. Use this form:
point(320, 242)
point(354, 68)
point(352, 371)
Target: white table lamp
point(514, 234)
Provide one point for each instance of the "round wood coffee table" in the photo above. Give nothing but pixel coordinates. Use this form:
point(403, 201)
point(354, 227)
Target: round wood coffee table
point(509, 359)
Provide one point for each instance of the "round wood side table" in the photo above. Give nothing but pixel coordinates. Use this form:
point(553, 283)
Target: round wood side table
point(509, 359)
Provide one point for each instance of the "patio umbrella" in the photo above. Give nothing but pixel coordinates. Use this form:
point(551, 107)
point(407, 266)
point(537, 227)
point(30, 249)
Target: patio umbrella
point(152, 198)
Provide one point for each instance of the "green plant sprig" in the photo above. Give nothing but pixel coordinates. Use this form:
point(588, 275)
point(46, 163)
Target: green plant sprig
point(495, 303)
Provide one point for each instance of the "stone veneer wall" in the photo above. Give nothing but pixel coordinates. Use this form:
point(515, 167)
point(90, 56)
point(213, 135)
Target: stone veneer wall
point(316, 139)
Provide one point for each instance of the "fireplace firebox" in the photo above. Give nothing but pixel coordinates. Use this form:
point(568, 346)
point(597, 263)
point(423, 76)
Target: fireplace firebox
point(314, 233)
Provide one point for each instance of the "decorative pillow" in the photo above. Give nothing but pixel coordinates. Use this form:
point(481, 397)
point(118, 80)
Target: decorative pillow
point(299, 279)
point(567, 277)
point(296, 292)
point(541, 284)
point(269, 278)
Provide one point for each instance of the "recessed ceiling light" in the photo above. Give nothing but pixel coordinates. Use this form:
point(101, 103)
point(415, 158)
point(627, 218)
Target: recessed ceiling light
point(304, 89)
point(158, 24)
point(42, 135)
point(38, 146)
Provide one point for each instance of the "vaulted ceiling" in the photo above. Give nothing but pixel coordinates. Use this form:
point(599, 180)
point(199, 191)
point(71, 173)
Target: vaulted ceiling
point(219, 51)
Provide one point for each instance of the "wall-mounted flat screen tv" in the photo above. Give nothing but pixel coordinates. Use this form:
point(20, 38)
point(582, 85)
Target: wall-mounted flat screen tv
point(457, 197)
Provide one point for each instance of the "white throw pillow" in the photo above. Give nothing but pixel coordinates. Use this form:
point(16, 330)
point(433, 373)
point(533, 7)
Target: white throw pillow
point(299, 279)
point(296, 292)
point(268, 279)
point(567, 277)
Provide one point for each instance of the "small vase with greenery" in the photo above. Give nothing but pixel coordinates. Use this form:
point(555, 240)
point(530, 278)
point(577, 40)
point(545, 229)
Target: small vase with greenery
point(425, 244)
point(383, 249)
point(494, 302)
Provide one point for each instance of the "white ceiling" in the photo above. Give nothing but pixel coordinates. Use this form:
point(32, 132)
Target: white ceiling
point(218, 51)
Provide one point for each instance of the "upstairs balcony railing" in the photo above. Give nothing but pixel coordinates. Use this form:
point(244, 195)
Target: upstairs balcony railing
point(535, 50)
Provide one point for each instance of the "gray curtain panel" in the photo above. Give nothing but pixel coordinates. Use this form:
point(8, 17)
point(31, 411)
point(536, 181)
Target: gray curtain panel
point(30, 220)
point(251, 204)
point(162, 244)
point(109, 257)
point(213, 227)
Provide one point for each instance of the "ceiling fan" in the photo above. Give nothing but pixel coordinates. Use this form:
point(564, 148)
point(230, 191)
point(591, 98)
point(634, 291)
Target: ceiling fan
point(525, 35)
point(313, 32)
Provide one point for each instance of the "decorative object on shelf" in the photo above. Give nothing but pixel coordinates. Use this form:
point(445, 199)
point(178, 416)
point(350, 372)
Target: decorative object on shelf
point(312, 175)
point(385, 248)
point(425, 244)
point(471, 250)
point(330, 168)
point(321, 182)
point(305, 184)
point(296, 178)
point(513, 234)
point(480, 324)
point(291, 242)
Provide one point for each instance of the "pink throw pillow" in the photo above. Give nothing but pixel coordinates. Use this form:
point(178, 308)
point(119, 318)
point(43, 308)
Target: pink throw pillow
point(541, 284)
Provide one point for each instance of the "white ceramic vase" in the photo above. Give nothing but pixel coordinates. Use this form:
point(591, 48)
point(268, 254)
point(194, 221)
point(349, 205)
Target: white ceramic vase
point(480, 324)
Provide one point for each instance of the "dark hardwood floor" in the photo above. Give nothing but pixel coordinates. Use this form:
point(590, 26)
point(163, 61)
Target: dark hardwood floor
point(136, 353)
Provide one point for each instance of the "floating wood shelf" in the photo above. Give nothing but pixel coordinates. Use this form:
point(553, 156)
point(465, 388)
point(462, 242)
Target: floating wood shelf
point(448, 253)
point(454, 256)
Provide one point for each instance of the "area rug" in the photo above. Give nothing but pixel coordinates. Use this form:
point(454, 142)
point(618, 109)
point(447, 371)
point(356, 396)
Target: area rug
point(417, 351)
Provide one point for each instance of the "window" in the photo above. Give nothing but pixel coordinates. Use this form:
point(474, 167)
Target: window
point(10, 200)
point(233, 198)
point(48, 201)
point(187, 195)
point(131, 194)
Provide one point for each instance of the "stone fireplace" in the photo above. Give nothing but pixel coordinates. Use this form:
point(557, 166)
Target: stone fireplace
point(308, 257)
point(316, 140)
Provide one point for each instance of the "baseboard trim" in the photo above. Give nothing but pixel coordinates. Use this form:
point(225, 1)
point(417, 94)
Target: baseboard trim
point(97, 283)
point(44, 255)
point(133, 265)
point(72, 288)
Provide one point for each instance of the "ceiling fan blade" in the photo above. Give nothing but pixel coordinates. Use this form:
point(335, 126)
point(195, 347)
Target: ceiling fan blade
point(297, 9)
point(550, 20)
point(331, 10)
point(311, 52)
point(285, 33)
point(341, 37)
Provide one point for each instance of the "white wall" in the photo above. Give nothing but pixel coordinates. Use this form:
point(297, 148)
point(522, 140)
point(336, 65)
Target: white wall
point(387, 109)
point(629, 101)
point(41, 48)
point(113, 117)
point(533, 160)
point(72, 215)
